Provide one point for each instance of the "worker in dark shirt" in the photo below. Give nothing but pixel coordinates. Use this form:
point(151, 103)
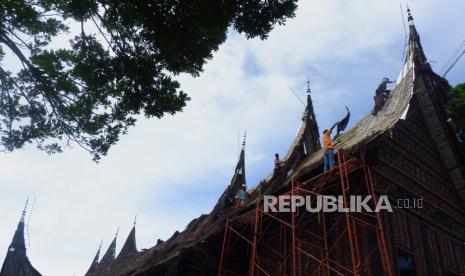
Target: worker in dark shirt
point(277, 162)
point(381, 94)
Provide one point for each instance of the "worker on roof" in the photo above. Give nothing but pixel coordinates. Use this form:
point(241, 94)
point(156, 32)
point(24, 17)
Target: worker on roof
point(241, 196)
point(278, 164)
point(382, 87)
point(381, 94)
point(329, 148)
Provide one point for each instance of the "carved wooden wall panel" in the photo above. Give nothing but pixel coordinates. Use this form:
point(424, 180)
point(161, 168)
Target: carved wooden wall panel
point(403, 171)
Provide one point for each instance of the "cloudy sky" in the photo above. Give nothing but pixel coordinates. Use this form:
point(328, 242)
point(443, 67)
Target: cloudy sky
point(172, 170)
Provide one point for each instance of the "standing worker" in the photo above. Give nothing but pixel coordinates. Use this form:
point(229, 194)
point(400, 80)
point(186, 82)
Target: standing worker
point(241, 196)
point(381, 94)
point(382, 87)
point(329, 148)
point(277, 162)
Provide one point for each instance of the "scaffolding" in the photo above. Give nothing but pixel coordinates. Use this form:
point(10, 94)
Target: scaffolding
point(310, 243)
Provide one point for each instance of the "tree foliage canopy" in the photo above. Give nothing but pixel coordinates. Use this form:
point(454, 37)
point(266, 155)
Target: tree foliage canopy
point(456, 108)
point(90, 92)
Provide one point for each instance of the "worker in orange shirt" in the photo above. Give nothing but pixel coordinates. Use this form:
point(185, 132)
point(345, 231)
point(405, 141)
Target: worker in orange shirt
point(329, 148)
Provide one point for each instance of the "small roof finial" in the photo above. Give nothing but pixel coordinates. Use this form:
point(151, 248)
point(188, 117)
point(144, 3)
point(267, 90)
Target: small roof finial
point(117, 231)
point(410, 17)
point(135, 220)
point(23, 214)
point(243, 141)
point(308, 87)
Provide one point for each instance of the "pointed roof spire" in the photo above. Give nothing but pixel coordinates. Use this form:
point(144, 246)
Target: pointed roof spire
point(309, 108)
point(416, 52)
point(240, 167)
point(312, 136)
point(18, 244)
point(237, 181)
point(129, 246)
point(109, 256)
point(16, 261)
point(97, 256)
point(93, 266)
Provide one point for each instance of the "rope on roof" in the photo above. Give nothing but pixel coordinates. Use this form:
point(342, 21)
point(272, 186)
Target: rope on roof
point(453, 60)
point(28, 222)
point(405, 32)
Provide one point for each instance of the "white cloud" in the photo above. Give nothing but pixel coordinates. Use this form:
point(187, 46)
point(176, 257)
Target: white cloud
point(171, 170)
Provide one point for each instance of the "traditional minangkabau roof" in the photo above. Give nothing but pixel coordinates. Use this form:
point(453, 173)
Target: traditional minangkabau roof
point(395, 108)
point(237, 181)
point(415, 48)
point(94, 265)
point(312, 133)
point(109, 264)
point(16, 262)
point(371, 126)
point(415, 81)
point(109, 256)
point(240, 167)
point(415, 75)
point(306, 142)
point(129, 246)
point(432, 104)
